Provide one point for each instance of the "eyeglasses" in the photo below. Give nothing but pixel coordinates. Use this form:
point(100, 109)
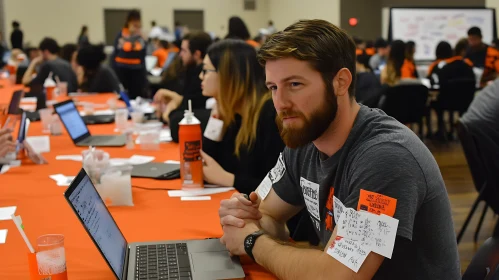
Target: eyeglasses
point(207, 70)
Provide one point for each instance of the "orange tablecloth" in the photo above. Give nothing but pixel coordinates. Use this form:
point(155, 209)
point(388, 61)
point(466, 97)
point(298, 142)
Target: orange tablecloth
point(44, 210)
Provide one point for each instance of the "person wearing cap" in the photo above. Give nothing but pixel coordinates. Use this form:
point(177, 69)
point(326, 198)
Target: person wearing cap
point(382, 50)
point(482, 55)
point(50, 62)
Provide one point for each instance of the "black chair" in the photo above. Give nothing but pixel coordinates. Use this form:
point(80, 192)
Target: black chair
point(484, 264)
point(406, 103)
point(481, 178)
point(457, 89)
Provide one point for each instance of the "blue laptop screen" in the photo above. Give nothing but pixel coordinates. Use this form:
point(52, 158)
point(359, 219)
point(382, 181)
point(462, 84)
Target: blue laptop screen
point(71, 118)
point(99, 224)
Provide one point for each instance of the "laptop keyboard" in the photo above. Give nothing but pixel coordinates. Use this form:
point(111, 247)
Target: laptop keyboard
point(164, 261)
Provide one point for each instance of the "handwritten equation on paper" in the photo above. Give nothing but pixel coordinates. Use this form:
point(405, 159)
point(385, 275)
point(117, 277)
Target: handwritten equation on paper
point(348, 252)
point(374, 232)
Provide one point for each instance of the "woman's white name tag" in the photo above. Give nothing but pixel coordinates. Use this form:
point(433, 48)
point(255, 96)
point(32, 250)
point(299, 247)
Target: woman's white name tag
point(214, 129)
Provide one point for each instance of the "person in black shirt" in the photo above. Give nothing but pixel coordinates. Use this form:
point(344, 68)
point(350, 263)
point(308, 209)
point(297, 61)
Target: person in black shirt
point(192, 52)
point(250, 142)
point(49, 62)
point(96, 76)
point(368, 87)
point(83, 37)
point(16, 37)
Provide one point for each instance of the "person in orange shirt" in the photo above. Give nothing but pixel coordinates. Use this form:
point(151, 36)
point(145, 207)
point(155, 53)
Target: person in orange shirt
point(482, 56)
point(397, 67)
point(442, 52)
point(161, 52)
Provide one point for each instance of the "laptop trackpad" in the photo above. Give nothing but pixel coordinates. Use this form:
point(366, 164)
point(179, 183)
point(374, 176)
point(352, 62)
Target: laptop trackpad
point(212, 261)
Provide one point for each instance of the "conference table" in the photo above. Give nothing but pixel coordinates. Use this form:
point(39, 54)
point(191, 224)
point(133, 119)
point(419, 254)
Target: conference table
point(155, 216)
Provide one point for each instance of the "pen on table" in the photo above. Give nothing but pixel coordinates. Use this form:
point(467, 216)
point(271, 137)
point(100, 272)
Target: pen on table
point(6, 122)
point(20, 227)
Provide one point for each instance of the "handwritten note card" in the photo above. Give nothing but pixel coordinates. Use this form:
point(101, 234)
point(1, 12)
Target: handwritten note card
point(374, 232)
point(348, 252)
point(339, 208)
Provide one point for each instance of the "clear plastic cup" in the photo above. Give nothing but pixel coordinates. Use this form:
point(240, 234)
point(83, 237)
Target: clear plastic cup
point(46, 118)
point(50, 256)
point(116, 185)
point(88, 108)
point(95, 164)
point(149, 140)
point(137, 117)
point(121, 119)
point(55, 126)
point(63, 89)
point(112, 103)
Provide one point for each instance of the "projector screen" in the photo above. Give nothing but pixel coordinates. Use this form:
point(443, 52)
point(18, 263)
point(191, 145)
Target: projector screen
point(428, 26)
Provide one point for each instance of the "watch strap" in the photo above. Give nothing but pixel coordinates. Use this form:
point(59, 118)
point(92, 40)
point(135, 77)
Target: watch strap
point(249, 242)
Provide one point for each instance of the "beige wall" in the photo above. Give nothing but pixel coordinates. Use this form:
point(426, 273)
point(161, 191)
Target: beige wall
point(286, 12)
point(37, 22)
point(494, 4)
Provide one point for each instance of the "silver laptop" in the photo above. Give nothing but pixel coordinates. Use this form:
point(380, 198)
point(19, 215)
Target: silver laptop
point(187, 259)
point(78, 130)
point(157, 170)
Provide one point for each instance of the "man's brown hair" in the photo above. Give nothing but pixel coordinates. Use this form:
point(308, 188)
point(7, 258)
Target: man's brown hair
point(325, 46)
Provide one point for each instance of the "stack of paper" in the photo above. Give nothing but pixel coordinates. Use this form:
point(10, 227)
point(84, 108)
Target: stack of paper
point(199, 192)
point(61, 180)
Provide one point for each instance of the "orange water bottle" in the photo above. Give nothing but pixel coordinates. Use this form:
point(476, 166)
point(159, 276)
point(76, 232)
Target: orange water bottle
point(191, 163)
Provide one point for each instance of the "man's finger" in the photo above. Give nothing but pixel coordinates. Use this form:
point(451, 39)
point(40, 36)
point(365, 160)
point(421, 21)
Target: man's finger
point(232, 221)
point(5, 131)
point(254, 198)
point(241, 214)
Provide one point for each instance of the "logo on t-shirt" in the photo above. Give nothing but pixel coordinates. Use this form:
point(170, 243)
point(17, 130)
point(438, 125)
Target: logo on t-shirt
point(278, 171)
point(311, 196)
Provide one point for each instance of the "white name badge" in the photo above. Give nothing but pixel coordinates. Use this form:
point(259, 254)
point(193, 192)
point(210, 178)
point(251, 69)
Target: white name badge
point(264, 188)
point(214, 129)
point(275, 175)
point(311, 196)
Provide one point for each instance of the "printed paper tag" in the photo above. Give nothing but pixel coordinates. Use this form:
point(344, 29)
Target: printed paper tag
point(214, 129)
point(348, 252)
point(278, 171)
point(374, 232)
point(339, 208)
point(311, 195)
point(264, 188)
point(376, 203)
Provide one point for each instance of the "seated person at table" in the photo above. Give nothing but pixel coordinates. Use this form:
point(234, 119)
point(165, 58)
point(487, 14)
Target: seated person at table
point(397, 67)
point(445, 56)
point(410, 50)
point(96, 76)
point(69, 53)
point(50, 62)
point(7, 145)
point(368, 87)
point(161, 51)
point(250, 144)
point(482, 56)
point(336, 151)
point(382, 51)
point(482, 121)
point(193, 50)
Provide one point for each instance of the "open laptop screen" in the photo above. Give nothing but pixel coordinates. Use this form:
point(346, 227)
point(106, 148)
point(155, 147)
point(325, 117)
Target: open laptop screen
point(72, 121)
point(99, 223)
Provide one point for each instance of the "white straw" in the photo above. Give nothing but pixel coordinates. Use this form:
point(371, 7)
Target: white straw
point(17, 221)
point(190, 106)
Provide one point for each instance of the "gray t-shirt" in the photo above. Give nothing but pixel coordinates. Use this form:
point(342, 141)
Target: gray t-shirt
point(482, 120)
point(60, 68)
point(382, 156)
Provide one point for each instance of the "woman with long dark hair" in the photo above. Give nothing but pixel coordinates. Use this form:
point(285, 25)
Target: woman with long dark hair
point(397, 67)
point(238, 30)
point(249, 143)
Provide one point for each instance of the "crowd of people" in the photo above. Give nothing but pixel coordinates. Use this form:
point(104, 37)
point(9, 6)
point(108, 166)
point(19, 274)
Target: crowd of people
point(292, 100)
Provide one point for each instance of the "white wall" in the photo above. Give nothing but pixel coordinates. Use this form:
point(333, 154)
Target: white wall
point(39, 19)
point(286, 12)
point(494, 4)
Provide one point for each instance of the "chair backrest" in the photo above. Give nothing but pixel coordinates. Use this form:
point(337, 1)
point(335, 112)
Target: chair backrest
point(485, 262)
point(479, 170)
point(406, 102)
point(457, 86)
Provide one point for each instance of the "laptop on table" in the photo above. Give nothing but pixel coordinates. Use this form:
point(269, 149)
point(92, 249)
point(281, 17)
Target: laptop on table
point(181, 260)
point(78, 130)
point(157, 170)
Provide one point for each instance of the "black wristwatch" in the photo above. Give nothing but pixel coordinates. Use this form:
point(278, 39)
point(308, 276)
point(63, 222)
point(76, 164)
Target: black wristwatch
point(249, 242)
